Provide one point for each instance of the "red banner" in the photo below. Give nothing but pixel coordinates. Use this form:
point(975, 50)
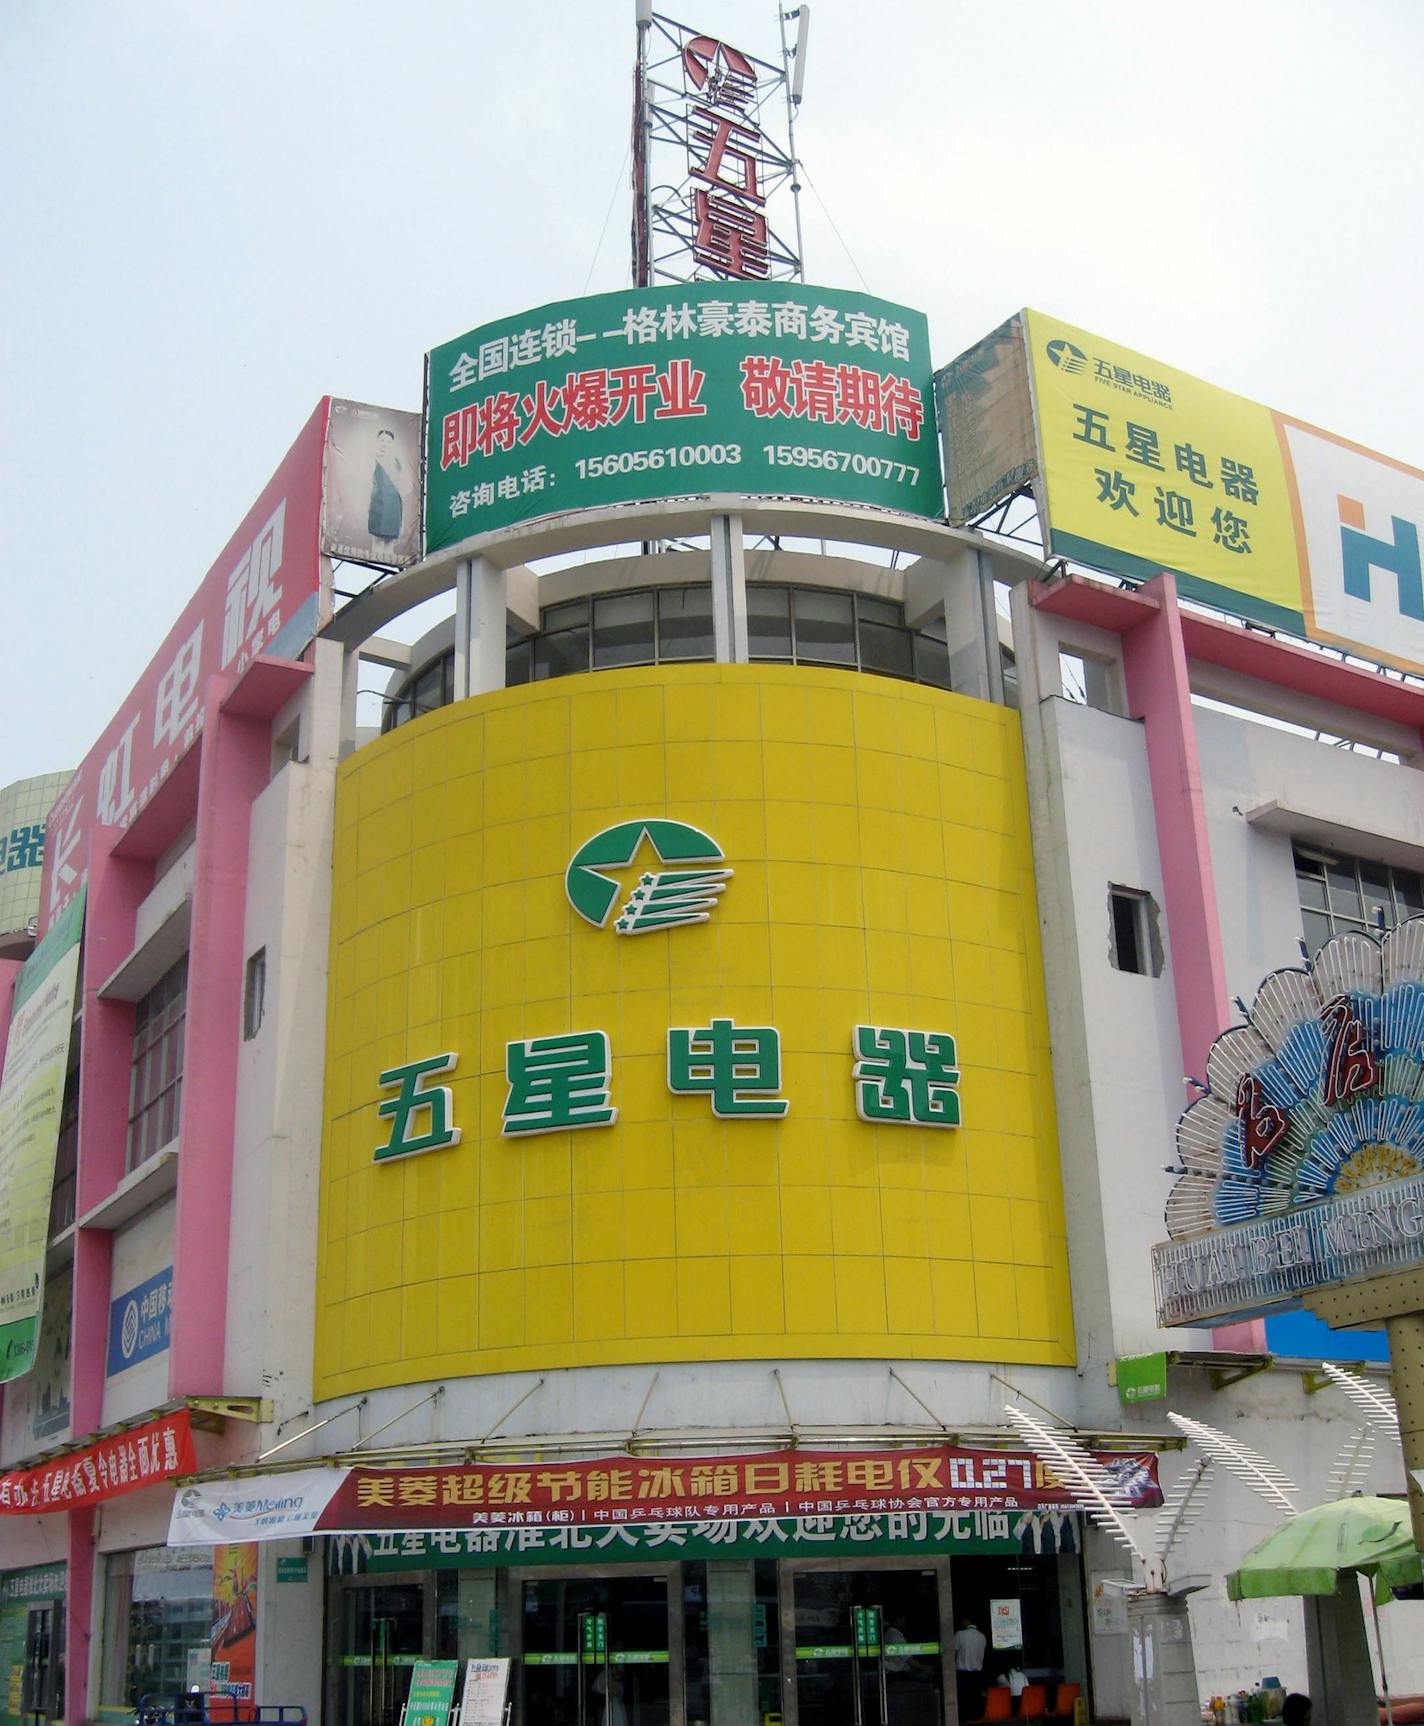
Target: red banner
point(140, 1457)
point(771, 1483)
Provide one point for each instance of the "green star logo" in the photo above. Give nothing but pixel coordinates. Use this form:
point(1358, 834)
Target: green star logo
point(664, 898)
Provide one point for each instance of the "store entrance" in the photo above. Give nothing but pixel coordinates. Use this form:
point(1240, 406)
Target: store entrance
point(42, 1683)
point(382, 1633)
point(600, 1650)
point(865, 1644)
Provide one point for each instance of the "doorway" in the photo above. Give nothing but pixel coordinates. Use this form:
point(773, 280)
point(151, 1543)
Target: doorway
point(599, 1648)
point(865, 1644)
point(381, 1632)
point(42, 1682)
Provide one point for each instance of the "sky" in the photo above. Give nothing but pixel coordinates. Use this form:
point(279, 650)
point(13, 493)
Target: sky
point(215, 213)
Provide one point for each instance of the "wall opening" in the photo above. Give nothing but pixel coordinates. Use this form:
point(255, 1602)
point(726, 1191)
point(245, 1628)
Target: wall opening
point(1135, 942)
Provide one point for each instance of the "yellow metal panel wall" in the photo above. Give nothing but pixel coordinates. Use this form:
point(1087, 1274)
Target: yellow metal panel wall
point(879, 836)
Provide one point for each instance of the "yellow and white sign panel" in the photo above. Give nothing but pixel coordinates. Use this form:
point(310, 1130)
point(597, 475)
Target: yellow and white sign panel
point(687, 1013)
point(1145, 468)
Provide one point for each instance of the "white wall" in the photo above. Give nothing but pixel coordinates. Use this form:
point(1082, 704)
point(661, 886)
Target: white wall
point(142, 1248)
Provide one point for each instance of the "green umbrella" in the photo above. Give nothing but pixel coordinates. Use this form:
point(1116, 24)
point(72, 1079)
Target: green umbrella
point(1307, 1554)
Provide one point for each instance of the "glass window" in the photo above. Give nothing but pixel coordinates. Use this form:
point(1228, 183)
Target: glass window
point(1339, 893)
point(768, 621)
point(685, 623)
point(825, 628)
point(518, 663)
point(158, 1623)
point(560, 655)
point(885, 649)
point(156, 1082)
point(880, 610)
point(932, 662)
point(623, 630)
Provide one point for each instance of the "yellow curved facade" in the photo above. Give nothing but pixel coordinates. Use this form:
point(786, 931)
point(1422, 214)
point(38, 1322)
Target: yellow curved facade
point(882, 874)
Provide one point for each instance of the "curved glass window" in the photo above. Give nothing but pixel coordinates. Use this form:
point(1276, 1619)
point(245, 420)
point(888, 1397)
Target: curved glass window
point(656, 626)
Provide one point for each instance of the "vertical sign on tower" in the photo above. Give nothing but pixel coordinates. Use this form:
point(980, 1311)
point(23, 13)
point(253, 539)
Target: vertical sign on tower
point(711, 151)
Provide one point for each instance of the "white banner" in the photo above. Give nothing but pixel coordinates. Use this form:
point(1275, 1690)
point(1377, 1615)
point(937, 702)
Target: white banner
point(266, 1507)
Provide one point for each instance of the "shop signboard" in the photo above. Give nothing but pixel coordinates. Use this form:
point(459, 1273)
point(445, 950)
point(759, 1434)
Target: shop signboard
point(292, 1569)
point(432, 1690)
point(125, 1462)
point(31, 1095)
point(1303, 1163)
point(769, 388)
point(769, 1483)
point(1139, 468)
point(277, 1506)
point(140, 1322)
point(1142, 1377)
point(262, 598)
point(965, 1533)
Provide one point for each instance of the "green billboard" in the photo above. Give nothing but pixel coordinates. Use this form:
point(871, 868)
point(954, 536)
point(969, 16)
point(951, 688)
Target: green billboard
point(772, 388)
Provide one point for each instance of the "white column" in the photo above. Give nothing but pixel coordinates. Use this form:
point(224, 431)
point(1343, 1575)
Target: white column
point(480, 619)
point(729, 591)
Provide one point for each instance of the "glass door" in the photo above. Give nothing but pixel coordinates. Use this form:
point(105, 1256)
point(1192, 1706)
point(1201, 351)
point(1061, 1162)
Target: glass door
point(865, 1645)
point(42, 1680)
point(382, 1635)
point(600, 1650)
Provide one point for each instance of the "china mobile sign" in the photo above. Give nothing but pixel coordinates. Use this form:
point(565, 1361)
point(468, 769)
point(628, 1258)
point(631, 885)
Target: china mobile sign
point(778, 388)
point(1250, 1266)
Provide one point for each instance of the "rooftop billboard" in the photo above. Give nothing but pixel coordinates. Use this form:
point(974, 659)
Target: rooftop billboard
point(1138, 468)
point(773, 388)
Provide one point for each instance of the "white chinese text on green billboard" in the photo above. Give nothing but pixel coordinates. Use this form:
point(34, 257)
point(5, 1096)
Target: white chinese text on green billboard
point(770, 388)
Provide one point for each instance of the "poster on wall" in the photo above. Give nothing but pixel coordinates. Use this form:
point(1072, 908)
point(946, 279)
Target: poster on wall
point(31, 1094)
point(1006, 1623)
point(370, 501)
point(234, 1636)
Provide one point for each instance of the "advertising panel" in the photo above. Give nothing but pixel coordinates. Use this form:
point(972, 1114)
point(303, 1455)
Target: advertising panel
point(1141, 468)
point(31, 1095)
point(24, 808)
point(233, 1644)
point(262, 597)
point(731, 1044)
point(774, 388)
point(138, 1457)
point(370, 506)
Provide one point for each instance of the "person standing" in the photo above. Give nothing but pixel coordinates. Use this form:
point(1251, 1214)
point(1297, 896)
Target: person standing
point(969, 1646)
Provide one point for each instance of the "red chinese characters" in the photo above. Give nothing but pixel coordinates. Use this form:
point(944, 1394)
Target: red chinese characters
point(813, 390)
point(585, 401)
point(142, 1456)
point(725, 147)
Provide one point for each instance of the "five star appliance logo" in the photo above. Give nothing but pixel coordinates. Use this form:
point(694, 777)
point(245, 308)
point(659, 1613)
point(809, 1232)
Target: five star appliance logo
point(665, 898)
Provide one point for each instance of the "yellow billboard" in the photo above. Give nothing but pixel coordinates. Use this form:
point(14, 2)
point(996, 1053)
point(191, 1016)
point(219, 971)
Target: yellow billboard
point(1139, 468)
point(687, 1013)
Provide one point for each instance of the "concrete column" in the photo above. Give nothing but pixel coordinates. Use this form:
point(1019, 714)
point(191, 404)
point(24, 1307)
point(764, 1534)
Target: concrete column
point(729, 591)
point(731, 1641)
point(481, 607)
point(350, 685)
point(1164, 1677)
point(79, 1616)
point(1337, 1658)
point(971, 625)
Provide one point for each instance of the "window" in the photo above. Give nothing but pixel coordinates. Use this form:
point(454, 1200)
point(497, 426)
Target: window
point(156, 1086)
point(1134, 942)
point(1339, 893)
point(1086, 681)
point(254, 994)
point(158, 1621)
point(66, 1155)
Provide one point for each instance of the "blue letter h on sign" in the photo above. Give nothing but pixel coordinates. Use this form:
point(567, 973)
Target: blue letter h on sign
point(1362, 553)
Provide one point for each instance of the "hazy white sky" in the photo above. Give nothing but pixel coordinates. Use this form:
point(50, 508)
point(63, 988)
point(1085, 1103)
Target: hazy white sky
point(215, 211)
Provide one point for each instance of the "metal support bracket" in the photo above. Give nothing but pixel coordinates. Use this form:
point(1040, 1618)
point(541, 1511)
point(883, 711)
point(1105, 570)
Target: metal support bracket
point(1222, 1377)
point(257, 1409)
